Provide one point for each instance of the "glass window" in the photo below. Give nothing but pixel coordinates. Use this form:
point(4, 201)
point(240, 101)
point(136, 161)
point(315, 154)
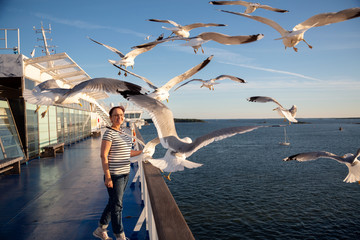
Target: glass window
point(10, 146)
point(60, 124)
point(44, 139)
point(52, 125)
point(32, 130)
point(29, 84)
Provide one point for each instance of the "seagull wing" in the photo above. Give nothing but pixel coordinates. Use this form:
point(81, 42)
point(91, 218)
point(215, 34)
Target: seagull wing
point(134, 74)
point(45, 97)
point(108, 85)
point(229, 40)
point(154, 43)
point(352, 164)
point(192, 80)
point(309, 156)
point(172, 82)
point(328, 18)
point(243, 3)
point(137, 51)
point(47, 85)
point(266, 21)
point(165, 21)
point(233, 78)
point(149, 148)
point(197, 25)
point(160, 114)
point(110, 48)
point(217, 135)
point(272, 9)
point(263, 99)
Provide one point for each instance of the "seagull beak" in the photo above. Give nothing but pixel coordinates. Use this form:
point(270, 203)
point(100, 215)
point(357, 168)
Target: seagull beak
point(167, 100)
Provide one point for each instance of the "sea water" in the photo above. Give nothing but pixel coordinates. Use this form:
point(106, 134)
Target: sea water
point(245, 191)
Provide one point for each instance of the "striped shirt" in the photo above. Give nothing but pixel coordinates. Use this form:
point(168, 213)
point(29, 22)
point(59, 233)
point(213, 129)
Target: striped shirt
point(119, 153)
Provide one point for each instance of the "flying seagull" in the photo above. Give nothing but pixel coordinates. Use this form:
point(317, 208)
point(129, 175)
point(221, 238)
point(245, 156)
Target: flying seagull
point(197, 41)
point(250, 6)
point(52, 92)
point(168, 163)
point(184, 31)
point(288, 114)
point(45, 93)
point(292, 38)
point(128, 59)
point(162, 93)
point(211, 82)
point(350, 160)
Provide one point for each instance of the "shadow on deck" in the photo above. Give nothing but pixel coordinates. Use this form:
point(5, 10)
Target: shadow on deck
point(63, 197)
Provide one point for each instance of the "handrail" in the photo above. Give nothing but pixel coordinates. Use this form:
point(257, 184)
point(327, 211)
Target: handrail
point(169, 222)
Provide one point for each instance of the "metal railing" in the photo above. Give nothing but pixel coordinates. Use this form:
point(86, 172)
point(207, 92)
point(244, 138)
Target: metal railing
point(164, 219)
point(16, 48)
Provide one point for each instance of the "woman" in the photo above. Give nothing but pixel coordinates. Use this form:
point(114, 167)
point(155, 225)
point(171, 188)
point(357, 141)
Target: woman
point(115, 154)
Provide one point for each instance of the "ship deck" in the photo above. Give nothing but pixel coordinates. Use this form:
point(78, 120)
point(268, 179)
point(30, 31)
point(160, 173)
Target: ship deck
point(63, 197)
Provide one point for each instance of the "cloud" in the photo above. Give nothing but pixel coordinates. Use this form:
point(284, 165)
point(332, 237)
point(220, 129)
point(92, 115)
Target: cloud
point(273, 70)
point(85, 25)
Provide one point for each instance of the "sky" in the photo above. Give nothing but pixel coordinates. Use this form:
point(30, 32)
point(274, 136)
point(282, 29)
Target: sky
point(322, 82)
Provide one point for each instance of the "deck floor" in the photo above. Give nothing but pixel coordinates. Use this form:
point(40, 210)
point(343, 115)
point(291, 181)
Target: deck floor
point(63, 197)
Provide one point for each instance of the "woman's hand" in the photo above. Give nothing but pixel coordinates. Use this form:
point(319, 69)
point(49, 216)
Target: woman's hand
point(108, 183)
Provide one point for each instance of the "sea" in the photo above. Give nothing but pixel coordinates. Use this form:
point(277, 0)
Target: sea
point(244, 189)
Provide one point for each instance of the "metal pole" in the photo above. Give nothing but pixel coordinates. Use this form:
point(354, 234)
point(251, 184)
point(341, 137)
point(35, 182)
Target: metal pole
point(5, 30)
point(18, 30)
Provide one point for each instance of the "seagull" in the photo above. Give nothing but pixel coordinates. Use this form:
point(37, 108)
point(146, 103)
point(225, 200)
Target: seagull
point(45, 93)
point(350, 160)
point(128, 59)
point(211, 82)
point(292, 38)
point(162, 93)
point(197, 41)
point(184, 31)
point(250, 7)
point(51, 91)
point(288, 114)
point(169, 163)
point(109, 85)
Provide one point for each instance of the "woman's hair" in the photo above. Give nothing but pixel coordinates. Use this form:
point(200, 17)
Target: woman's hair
point(113, 108)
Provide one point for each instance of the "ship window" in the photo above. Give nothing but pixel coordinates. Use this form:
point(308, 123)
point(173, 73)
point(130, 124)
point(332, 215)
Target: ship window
point(10, 146)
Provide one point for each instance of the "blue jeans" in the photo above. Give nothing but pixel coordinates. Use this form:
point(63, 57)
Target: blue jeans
point(113, 209)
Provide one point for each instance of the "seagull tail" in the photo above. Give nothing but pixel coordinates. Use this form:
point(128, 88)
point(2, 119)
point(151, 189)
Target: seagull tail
point(159, 163)
point(354, 173)
point(137, 158)
point(189, 164)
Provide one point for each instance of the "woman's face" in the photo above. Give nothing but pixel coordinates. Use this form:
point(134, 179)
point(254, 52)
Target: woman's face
point(117, 116)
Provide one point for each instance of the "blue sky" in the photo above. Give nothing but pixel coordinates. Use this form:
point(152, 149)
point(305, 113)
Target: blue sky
point(322, 82)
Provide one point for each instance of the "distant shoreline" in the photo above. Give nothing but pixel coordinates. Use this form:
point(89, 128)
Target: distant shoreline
point(149, 120)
